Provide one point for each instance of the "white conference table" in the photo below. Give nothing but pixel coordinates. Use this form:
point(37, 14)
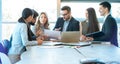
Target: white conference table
point(108, 53)
point(50, 55)
point(67, 55)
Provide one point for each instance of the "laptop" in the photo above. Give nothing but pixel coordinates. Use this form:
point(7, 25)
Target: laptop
point(70, 37)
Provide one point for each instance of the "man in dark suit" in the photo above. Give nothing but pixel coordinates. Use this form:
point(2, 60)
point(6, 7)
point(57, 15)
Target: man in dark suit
point(32, 36)
point(67, 22)
point(109, 28)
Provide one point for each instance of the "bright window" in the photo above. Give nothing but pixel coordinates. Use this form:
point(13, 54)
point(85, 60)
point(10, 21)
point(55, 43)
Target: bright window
point(12, 10)
point(78, 9)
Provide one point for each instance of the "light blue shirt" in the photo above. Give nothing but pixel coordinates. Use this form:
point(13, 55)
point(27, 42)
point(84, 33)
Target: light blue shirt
point(65, 26)
point(20, 39)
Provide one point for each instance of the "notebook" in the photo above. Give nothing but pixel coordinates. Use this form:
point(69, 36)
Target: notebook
point(70, 37)
point(52, 33)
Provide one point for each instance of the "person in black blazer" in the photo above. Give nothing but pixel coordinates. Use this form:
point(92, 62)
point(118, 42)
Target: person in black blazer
point(67, 22)
point(31, 35)
point(109, 28)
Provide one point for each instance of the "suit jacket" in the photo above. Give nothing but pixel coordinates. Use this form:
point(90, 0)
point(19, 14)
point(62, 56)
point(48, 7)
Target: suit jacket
point(72, 26)
point(31, 36)
point(110, 31)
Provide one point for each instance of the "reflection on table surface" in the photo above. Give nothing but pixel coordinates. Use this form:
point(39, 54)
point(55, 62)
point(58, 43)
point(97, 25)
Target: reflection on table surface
point(39, 55)
point(69, 54)
point(103, 51)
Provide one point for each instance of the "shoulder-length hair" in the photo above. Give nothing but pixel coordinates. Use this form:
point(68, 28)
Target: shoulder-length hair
point(38, 24)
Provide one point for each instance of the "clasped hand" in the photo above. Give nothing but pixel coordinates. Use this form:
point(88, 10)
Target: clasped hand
point(84, 38)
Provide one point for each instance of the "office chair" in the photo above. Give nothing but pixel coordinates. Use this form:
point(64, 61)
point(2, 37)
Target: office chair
point(6, 44)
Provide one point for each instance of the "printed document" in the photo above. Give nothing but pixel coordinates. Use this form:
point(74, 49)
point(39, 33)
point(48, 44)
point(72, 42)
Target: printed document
point(52, 33)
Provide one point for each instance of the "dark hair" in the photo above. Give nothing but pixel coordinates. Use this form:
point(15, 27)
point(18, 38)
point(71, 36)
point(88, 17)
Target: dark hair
point(66, 8)
point(35, 14)
point(27, 12)
point(93, 24)
point(106, 5)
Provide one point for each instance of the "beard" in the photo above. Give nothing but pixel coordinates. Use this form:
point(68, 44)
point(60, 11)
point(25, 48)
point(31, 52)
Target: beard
point(31, 23)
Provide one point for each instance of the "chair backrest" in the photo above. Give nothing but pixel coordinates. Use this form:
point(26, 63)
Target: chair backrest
point(6, 44)
point(0, 61)
point(10, 42)
point(2, 49)
point(4, 59)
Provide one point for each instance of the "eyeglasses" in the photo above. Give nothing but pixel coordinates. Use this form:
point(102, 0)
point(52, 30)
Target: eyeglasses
point(65, 14)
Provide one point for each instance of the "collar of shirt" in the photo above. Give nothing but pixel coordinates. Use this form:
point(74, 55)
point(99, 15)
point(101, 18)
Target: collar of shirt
point(106, 17)
point(68, 19)
point(87, 21)
point(65, 25)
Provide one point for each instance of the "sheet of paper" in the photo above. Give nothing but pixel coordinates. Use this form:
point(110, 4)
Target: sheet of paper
point(50, 43)
point(52, 33)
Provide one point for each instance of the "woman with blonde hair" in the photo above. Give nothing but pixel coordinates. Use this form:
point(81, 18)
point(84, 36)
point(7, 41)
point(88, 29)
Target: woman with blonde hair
point(41, 24)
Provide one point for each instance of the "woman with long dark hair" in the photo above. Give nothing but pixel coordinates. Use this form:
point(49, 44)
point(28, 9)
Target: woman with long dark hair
point(91, 23)
point(20, 36)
